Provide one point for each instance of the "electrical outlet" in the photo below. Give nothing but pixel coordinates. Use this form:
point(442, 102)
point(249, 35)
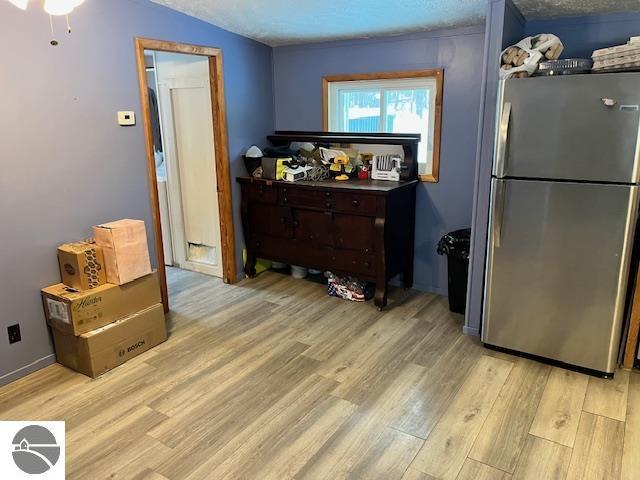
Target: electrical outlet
point(14, 333)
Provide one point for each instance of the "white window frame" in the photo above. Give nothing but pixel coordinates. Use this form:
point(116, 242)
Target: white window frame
point(431, 80)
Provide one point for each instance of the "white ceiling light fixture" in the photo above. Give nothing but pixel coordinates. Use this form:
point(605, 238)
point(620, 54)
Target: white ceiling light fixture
point(53, 8)
point(60, 7)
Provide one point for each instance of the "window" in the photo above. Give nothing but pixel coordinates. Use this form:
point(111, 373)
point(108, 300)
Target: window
point(396, 102)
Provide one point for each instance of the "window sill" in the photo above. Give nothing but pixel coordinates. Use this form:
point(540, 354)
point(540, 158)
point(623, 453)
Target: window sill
point(428, 178)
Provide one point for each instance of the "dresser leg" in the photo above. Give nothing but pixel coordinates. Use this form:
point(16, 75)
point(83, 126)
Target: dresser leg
point(250, 266)
point(380, 298)
point(407, 277)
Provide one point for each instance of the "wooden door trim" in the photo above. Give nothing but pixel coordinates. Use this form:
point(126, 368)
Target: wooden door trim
point(223, 174)
point(437, 73)
point(175, 47)
point(223, 169)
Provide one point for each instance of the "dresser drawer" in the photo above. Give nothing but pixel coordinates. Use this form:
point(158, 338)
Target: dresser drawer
point(328, 200)
point(288, 250)
point(301, 253)
point(259, 193)
point(354, 203)
point(303, 197)
point(350, 261)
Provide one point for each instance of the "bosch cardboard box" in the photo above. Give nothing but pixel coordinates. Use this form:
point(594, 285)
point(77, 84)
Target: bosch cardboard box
point(95, 352)
point(125, 250)
point(81, 265)
point(76, 312)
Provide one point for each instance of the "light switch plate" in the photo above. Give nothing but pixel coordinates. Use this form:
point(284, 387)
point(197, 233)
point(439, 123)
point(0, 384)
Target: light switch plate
point(126, 119)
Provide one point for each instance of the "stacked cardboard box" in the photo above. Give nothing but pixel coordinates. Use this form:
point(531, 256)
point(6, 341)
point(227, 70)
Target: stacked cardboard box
point(97, 324)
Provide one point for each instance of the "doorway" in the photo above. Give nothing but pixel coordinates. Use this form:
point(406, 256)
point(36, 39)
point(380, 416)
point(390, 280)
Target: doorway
point(181, 88)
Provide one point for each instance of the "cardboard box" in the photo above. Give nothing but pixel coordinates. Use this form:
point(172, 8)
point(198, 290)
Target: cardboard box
point(124, 245)
point(81, 265)
point(100, 350)
point(76, 312)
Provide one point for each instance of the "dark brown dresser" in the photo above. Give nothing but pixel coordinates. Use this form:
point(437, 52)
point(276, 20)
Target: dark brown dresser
point(361, 228)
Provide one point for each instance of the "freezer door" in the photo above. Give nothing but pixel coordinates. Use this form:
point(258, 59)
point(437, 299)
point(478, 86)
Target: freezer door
point(557, 269)
point(575, 127)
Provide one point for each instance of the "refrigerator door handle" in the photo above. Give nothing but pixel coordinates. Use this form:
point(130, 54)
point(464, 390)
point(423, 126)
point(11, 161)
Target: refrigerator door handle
point(498, 211)
point(501, 148)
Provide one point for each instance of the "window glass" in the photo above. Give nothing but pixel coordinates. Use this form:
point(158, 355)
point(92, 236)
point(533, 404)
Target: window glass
point(402, 105)
point(407, 111)
point(360, 111)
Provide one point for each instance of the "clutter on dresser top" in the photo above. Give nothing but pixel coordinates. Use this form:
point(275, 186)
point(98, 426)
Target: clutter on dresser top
point(329, 160)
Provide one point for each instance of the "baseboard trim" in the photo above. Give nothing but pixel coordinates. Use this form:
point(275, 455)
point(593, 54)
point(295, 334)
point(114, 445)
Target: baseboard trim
point(474, 332)
point(430, 289)
point(397, 282)
point(27, 369)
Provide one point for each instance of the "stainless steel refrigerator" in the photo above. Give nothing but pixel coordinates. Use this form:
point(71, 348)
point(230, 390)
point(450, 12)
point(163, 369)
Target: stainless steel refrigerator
point(564, 201)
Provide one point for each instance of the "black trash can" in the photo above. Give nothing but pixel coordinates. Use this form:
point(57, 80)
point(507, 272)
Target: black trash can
point(455, 245)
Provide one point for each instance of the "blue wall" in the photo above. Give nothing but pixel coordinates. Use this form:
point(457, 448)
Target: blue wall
point(66, 165)
point(441, 207)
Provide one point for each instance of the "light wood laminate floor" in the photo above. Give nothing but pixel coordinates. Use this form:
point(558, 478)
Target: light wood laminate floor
point(273, 379)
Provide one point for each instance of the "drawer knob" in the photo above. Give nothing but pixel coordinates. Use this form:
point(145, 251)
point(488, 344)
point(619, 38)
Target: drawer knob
point(257, 244)
point(261, 188)
point(328, 204)
point(283, 219)
point(328, 194)
point(367, 264)
point(285, 200)
point(353, 262)
point(366, 250)
point(296, 223)
point(355, 203)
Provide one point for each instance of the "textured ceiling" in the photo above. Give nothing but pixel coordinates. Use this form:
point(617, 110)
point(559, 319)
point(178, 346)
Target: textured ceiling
point(560, 8)
point(281, 22)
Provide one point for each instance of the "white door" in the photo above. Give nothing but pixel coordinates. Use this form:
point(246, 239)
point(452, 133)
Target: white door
point(184, 97)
